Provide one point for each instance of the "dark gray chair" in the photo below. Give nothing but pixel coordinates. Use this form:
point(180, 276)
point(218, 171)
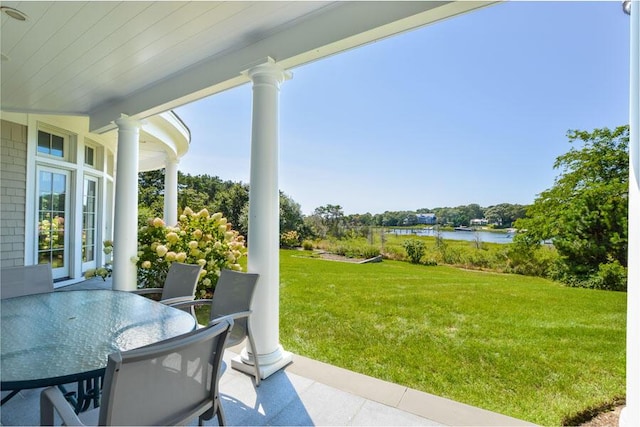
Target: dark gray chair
point(180, 284)
point(25, 280)
point(232, 297)
point(167, 383)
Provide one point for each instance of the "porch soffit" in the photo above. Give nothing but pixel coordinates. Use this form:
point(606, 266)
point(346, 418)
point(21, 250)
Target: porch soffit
point(102, 59)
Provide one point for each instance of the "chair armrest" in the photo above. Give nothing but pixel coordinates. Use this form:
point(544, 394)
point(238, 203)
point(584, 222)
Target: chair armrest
point(189, 303)
point(52, 398)
point(145, 291)
point(176, 300)
point(238, 315)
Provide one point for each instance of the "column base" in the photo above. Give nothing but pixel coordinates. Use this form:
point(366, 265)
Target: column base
point(269, 363)
point(623, 421)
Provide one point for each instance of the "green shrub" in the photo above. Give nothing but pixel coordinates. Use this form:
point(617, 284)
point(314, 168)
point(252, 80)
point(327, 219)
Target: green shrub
point(479, 258)
point(612, 276)
point(394, 253)
point(451, 255)
point(307, 245)
point(289, 239)
point(370, 252)
point(415, 250)
point(340, 250)
point(533, 260)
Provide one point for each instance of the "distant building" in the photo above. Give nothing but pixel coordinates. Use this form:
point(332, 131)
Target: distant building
point(479, 221)
point(428, 218)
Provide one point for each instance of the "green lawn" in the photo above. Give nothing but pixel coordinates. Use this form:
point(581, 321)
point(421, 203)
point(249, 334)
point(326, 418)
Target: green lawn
point(522, 346)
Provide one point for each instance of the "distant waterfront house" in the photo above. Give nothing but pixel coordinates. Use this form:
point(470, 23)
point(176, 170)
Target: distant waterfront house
point(479, 221)
point(427, 218)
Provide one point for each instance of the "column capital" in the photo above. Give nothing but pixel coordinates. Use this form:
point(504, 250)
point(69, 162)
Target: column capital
point(171, 158)
point(126, 122)
point(268, 72)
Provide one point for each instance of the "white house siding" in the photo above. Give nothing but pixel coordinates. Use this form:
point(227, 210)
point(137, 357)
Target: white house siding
point(13, 175)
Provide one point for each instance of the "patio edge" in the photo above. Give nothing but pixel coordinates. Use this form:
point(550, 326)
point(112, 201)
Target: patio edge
point(439, 409)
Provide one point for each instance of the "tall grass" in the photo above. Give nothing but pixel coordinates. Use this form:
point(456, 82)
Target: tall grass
point(456, 252)
point(522, 346)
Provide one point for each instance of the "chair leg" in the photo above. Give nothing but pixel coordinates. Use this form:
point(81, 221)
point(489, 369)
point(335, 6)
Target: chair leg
point(9, 396)
point(255, 359)
point(222, 421)
point(46, 411)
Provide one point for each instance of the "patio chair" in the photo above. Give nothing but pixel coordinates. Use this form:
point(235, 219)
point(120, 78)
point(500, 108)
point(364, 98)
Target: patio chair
point(180, 284)
point(25, 280)
point(166, 383)
point(232, 297)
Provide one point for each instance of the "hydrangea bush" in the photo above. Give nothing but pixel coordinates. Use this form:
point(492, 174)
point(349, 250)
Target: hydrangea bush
point(105, 271)
point(198, 238)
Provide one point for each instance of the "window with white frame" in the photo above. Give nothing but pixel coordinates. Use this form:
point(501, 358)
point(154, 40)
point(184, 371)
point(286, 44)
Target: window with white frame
point(51, 144)
point(89, 156)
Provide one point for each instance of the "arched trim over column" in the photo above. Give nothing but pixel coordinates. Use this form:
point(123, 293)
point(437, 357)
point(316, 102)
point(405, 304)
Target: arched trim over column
point(264, 223)
point(125, 230)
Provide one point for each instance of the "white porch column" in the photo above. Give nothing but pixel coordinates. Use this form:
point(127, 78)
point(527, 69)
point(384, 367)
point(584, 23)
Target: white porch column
point(171, 192)
point(125, 229)
point(264, 223)
point(630, 415)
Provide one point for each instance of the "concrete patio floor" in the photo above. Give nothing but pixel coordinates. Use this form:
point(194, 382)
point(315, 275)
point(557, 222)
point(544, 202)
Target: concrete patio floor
point(305, 393)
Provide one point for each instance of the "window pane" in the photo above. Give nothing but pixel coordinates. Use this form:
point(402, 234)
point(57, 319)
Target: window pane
point(89, 237)
point(44, 241)
point(59, 183)
point(52, 188)
point(88, 156)
point(91, 188)
point(91, 221)
point(44, 258)
point(45, 201)
point(58, 202)
point(45, 182)
point(57, 145)
point(91, 204)
point(58, 222)
point(44, 142)
point(57, 259)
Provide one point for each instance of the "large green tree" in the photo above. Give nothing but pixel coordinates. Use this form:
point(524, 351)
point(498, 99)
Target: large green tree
point(331, 217)
point(504, 213)
point(585, 212)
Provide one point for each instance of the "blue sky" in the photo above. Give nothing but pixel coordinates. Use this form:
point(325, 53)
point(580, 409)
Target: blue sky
point(473, 109)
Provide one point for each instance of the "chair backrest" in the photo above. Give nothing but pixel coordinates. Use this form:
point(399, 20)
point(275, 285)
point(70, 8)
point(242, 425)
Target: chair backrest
point(181, 280)
point(233, 294)
point(25, 280)
point(167, 383)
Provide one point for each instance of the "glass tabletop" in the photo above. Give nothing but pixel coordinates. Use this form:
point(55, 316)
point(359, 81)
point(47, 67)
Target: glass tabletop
point(61, 337)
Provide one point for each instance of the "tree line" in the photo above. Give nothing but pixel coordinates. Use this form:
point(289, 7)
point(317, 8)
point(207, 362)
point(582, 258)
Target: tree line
point(232, 199)
point(583, 215)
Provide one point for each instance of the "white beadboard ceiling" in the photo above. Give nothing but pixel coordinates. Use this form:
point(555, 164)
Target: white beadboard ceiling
point(106, 58)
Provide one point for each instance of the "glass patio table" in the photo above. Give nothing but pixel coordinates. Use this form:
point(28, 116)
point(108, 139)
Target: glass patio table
point(59, 338)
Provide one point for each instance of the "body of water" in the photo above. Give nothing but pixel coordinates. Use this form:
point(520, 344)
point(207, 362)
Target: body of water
point(470, 236)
